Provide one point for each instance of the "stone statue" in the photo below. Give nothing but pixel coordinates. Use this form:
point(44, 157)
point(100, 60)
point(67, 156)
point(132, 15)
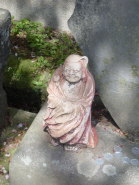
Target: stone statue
point(68, 115)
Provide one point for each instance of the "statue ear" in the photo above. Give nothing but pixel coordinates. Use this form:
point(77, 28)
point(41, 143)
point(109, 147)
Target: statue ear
point(84, 60)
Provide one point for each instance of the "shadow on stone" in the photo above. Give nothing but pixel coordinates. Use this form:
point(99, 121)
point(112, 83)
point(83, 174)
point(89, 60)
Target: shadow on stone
point(107, 32)
point(5, 22)
point(37, 162)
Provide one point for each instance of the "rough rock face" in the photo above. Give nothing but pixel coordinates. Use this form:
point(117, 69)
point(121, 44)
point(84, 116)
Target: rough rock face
point(108, 33)
point(5, 21)
point(49, 12)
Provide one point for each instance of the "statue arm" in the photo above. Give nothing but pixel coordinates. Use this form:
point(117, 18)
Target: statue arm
point(89, 92)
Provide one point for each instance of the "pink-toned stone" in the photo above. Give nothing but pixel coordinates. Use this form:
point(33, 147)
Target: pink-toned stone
point(68, 115)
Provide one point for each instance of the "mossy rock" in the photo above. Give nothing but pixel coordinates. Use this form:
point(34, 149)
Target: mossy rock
point(25, 83)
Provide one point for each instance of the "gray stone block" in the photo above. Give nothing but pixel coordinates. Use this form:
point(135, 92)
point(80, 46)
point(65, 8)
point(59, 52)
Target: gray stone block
point(5, 22)
point(21, 116)
point(36, 162)
point(108, 33)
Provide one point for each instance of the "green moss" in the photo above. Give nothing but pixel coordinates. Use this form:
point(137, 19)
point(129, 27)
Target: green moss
point(106, 61)
point(36, 52)
point(130, 85)
point(25, 83)
point(22, 73)
point(123, 82)
point(135, 70)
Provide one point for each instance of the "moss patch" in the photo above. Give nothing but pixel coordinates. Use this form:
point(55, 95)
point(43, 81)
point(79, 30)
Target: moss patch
point(35, 53)
point(135, 70)
point(23, 73)
point(25, 83)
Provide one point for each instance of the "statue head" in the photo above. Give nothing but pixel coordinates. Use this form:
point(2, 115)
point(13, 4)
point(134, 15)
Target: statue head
point(74, 68)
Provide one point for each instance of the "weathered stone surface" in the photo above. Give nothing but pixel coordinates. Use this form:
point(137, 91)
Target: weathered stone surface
point(37, 162)
point(54, 13)
point(108, 33)
point(5, 21)
point(20, 116)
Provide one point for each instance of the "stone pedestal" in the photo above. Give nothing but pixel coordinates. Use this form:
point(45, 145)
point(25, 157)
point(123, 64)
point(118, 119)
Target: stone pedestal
point(5, 22)
point(108, 33)
point(36, 162)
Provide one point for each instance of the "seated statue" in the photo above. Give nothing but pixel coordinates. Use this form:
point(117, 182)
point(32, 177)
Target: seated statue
point(68, 115)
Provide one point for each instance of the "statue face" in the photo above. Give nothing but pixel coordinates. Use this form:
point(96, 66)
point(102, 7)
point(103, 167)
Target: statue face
point(72, 72)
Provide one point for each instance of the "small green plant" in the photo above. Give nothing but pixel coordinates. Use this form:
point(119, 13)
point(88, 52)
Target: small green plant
point(51, 46)
point(35, 53)
point(42, 63)
point(33, 32)
point(26, 26)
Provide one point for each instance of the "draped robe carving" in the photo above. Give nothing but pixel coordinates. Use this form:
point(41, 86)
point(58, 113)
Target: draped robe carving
point(68, 115)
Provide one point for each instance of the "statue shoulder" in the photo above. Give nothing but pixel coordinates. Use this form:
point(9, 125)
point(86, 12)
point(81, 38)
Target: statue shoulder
point(91, 76)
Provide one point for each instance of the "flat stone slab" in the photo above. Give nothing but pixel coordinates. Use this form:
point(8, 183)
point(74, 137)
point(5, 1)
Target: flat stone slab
point(36, 162)
point(21, 116)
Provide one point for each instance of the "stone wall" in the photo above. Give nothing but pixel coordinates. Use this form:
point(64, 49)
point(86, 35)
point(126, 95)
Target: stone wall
point(54, 13)
point(5, 21)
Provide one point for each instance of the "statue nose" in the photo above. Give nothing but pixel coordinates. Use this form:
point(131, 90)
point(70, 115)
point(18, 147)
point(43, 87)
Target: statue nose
point(71, 72)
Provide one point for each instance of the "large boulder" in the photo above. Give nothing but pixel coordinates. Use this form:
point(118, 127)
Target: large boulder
point(5, 22)
point(108, 33)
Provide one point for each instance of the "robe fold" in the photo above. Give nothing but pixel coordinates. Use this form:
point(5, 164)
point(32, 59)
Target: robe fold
point(68, 114)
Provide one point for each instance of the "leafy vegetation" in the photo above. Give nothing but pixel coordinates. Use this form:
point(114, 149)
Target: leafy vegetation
point(50, 47)
point(36, 51)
